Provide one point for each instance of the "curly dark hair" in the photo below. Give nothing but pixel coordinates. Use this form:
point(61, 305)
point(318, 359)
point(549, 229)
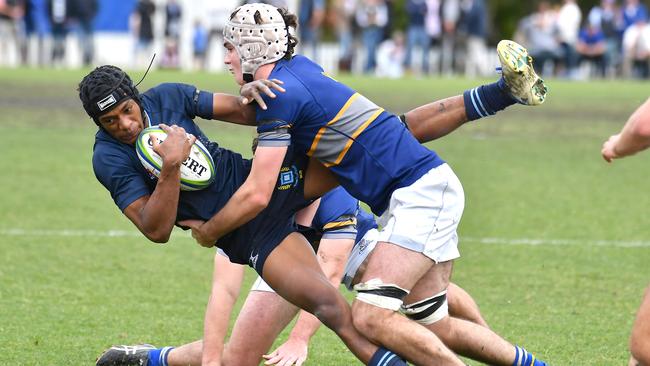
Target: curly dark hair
point(102, 82)
point(290, 20)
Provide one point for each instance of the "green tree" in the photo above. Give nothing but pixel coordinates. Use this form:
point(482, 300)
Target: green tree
point(505, 14)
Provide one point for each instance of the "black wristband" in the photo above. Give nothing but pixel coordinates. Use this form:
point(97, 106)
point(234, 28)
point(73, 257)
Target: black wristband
point(402, 118)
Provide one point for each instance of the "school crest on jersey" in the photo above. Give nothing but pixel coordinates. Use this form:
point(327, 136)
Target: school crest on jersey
point(289, 177)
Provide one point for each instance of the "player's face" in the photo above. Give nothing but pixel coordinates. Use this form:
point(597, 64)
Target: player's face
point(123, 122)
point(232, 61)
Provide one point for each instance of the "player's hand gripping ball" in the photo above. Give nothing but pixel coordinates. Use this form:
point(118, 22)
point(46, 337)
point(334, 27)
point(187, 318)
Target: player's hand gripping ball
point(197, 171)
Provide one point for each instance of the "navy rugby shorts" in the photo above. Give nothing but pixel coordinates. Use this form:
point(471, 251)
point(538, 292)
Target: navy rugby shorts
point(252, 243)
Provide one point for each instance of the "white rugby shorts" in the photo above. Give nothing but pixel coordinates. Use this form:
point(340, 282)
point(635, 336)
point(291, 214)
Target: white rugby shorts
point(358, 255)
point(424, 216)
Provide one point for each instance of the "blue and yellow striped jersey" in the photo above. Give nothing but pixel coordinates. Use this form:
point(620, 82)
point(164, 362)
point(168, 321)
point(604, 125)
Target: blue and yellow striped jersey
point(369, 150)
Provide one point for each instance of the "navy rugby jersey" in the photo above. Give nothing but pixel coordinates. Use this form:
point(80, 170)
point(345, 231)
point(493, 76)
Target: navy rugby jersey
point(118, 168)
point(369, 150)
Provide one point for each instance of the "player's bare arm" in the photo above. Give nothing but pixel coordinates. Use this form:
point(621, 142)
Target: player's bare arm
point(634, 137)
point(240, 109)
point(155, 215)
point(248, 201)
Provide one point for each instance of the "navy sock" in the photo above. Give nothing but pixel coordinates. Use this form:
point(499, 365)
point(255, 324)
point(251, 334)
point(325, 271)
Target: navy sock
point(486, 100)
point(158, 357)
point(384, 357)
point(524, 358)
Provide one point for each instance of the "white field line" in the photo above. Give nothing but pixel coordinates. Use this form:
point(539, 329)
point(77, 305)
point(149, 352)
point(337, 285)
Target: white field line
point(81, 233)
point(559, 242)
point(468, 239)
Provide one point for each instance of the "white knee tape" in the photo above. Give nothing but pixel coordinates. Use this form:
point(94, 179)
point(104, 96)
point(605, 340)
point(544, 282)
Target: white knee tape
point(429, 310)
point(383, 295)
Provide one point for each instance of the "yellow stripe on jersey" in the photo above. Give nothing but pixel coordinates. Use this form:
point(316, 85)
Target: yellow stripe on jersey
point(334, 140)
point(354, 136)
point(338, 224)
point(322, 130)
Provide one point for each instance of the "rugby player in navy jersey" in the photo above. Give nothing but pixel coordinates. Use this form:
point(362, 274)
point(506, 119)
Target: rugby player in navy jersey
point(372, 154)
point(268, 243)
point(331, 227)
point(337, 224)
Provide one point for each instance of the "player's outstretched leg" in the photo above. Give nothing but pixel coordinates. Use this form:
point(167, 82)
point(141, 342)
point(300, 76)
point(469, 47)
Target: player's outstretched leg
point(294, 273)
point(429, 308)
point(138, 355)
point(521, 79)
point(640, 339)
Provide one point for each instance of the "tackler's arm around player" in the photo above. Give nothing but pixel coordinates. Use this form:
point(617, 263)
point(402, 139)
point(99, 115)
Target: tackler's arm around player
point(240, 109)
point(247, 202)
point(155, 215)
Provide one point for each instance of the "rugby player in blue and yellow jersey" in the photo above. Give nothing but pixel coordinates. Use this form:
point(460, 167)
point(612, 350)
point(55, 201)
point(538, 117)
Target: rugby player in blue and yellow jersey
point(374, 156)
point(269, 243)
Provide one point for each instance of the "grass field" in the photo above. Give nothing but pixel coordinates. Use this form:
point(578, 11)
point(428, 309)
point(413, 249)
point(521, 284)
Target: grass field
point(555, 242)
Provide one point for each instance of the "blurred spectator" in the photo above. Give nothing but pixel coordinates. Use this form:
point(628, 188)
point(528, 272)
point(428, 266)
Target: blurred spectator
point(216, 14)
point(636, 50)
point(173, 15)
point(568, 25)
point(276, 3)
point(343, 21)
point(609, 19)
point(36, 28)
point(58, 12)
point(450, 17)
point(388, 27)
point(591, 47)
point(474, 26)
point(142, 25)
point(390, 57)
point(310, 18)
point(537, 32)
point(633, 11)
point(433, 26)
point(84, 11)
point(199, 44)
point(416, 35)
point(11, 13)
point(372, 17)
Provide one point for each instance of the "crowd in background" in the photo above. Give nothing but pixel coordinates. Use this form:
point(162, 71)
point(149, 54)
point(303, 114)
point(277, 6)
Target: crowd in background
point(443, 37)
point(18, 18)
point(612, 39)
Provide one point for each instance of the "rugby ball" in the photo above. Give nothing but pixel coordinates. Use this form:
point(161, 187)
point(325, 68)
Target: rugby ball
point(197, 171)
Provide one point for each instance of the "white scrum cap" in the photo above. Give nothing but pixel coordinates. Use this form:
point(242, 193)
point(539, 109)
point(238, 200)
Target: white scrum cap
point(259, 34)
